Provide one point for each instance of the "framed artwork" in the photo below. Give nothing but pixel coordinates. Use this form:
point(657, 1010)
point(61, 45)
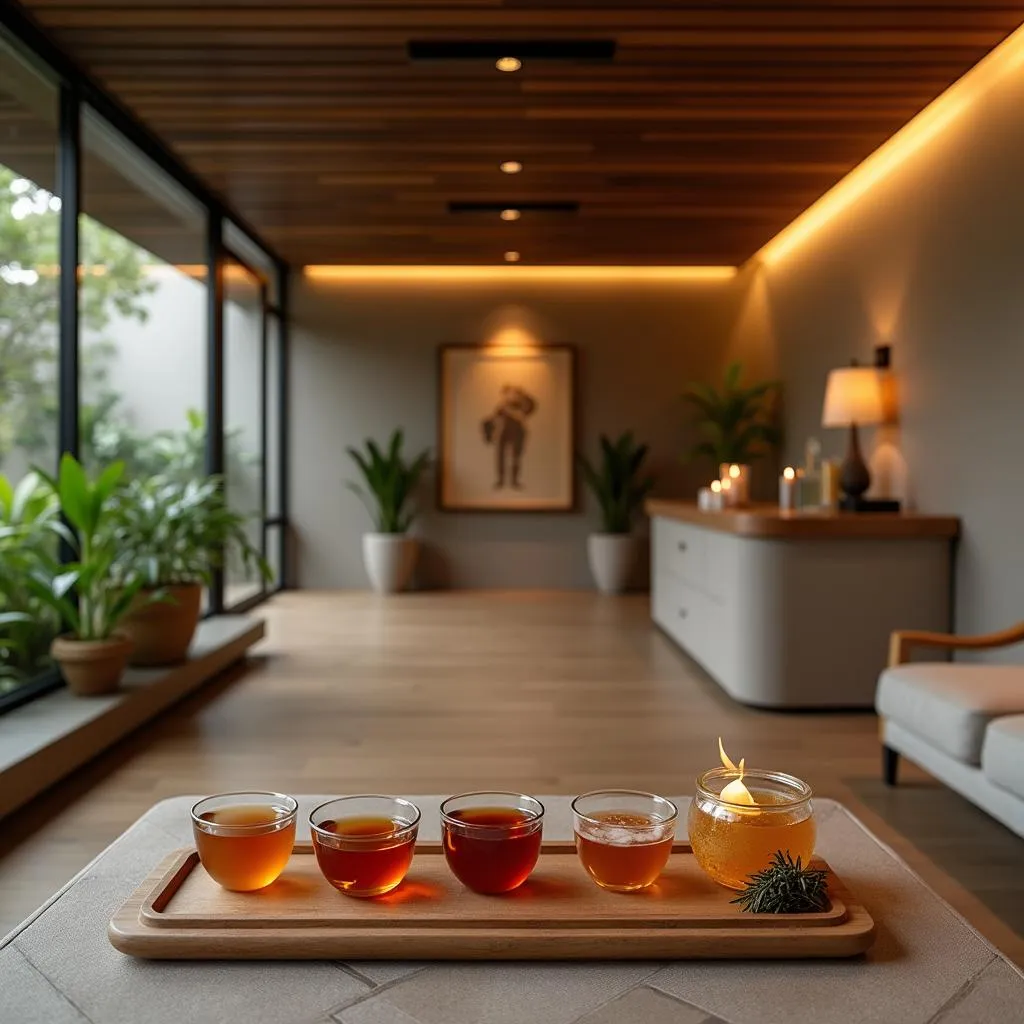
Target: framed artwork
point(505, 439)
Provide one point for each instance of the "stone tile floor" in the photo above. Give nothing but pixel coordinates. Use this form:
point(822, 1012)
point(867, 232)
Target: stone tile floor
point(928, 966)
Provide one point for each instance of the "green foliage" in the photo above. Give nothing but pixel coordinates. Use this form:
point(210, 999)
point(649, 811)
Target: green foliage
point(170, 531)
point(113, 283)
point(179, 455)
point(785, 887)
point(390, 483)
point(102, 599)
point(30, 529)
point(737, 423)
point(615, 483)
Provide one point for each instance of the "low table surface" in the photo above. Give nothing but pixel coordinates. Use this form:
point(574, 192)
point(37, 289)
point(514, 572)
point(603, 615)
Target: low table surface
point(927, 964)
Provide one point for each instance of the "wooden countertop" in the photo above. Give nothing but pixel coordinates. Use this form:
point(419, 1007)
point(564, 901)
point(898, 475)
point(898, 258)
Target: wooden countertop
point(770, 521)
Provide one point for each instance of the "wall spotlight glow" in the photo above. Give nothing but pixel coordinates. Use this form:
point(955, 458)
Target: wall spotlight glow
point(508, 64)
point(1006, 58)
point(512, 256)
point(510, 214)
point(510, 166)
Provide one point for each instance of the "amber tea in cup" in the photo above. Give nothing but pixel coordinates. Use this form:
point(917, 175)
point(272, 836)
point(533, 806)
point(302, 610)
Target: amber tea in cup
point(492, 840)
point(733, 838)
point(244, 840)
point(364, 844)
point(624, 838)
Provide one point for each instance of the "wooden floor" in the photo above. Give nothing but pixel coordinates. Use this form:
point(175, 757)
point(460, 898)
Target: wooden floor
point(547, 693)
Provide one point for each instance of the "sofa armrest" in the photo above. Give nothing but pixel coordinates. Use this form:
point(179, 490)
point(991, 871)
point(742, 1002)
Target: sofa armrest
point(904, 640)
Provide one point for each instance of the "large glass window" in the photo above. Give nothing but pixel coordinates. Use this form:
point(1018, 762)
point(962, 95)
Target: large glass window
point(29, 335)
point(143, 347)
point(142, 312)
point(244, 414)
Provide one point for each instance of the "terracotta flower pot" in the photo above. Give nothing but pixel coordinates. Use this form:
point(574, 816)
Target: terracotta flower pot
point(162, 631)
point(91, 667)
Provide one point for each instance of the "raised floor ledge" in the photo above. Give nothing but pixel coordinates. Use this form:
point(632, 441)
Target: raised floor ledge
point(47, 739)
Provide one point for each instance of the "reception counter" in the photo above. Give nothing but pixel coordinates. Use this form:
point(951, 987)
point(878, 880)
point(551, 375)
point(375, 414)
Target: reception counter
point(792, 609)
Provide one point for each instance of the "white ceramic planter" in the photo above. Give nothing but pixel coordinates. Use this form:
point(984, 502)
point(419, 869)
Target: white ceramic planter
point(389, 559)
point(612, 558)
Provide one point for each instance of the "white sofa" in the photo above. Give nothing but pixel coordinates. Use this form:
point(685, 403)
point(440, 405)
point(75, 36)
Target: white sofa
point(962, 722)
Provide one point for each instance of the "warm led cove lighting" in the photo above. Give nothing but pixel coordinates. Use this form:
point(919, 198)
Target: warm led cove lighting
point(511, 167)
point(512, 256)
point(343, 272)
point(510, 215)
point(508, 63)
point(1006, 58)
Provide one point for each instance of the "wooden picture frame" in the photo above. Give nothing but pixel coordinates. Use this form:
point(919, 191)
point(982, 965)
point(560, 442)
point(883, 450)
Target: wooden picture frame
point(506, 428)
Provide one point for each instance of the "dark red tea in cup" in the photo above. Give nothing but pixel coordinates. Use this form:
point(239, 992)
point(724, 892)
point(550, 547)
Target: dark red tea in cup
point(492, 840)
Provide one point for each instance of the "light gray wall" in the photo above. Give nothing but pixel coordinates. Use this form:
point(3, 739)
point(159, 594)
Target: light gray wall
point(931, 261)
point(364, 361)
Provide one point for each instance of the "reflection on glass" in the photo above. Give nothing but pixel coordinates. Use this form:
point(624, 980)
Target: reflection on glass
point(29, 328)
point(243, 417)
point(274, 414)
point(142, 310)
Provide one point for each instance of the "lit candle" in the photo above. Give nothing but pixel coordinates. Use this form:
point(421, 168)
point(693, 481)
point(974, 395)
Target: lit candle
point(735, 792)
point(728, 493)
point(741, 817)
point(740, 479)
point(787, 489)
point(716, 496)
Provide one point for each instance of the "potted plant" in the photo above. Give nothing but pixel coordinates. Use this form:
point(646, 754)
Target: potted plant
point(85, 593)
point(388, 485)
point(737, 423)
point(620, 493)
point(172, 535)
point(30, 529)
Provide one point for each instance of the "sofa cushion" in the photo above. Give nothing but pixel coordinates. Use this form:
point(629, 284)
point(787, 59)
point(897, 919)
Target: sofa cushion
point(951, 705)
point(1002, 754)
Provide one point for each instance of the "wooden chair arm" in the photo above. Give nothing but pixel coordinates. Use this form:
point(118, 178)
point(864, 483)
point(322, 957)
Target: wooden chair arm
point(903, 640)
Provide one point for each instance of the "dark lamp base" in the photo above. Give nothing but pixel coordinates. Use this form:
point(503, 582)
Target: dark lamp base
point(851, 504)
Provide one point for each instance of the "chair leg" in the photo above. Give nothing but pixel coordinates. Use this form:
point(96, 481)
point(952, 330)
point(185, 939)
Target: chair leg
point(890, 765)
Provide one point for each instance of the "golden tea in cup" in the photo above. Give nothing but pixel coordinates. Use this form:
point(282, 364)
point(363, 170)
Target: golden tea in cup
point(244, 840)
point(624, 838)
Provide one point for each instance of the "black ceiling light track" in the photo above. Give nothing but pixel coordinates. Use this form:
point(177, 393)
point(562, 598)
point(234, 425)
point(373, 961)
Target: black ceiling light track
point(524, 49)
point(512, 204)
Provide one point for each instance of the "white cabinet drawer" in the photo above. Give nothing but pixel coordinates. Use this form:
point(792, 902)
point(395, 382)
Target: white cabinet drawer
point(702, 625)
point(680, 550)
point(681, 610)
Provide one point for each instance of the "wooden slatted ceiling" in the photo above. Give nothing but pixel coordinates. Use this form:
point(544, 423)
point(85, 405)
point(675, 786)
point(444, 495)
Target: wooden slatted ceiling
point(716, 124)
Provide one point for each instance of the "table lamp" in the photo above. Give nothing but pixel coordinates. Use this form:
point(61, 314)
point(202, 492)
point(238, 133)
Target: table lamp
point(853, 397)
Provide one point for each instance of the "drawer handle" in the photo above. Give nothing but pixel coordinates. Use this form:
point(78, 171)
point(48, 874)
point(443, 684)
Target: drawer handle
point(683, 613)
point(682, 545)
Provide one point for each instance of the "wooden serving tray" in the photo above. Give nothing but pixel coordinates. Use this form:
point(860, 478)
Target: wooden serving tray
point(179, 912)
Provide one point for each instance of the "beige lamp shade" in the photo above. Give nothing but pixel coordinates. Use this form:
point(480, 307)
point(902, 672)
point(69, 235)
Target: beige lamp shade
point(853, 395)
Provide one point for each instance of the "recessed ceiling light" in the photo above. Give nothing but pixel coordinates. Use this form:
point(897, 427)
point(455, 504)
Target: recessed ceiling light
point(512, 256)
point(511, 166)
point(510, 215)
point(508, 63)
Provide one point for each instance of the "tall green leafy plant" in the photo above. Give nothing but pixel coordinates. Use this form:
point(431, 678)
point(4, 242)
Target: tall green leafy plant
point(388, 483)
point(86, 592)
point(30, 530)
point(615, 482)
point(172, 532)
point(737, 424)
